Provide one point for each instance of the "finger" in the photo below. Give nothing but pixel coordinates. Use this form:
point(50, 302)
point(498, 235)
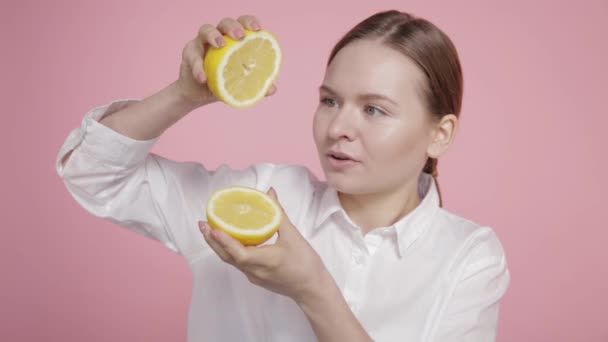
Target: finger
point(265, 258)
point(193, 54)
point(250, 22)
point(272, 90)
point(286, 227)
point(217, 248)
point(275, 197)
point(208, 34)
point(232, 28)
point(255, 280)
point(232, 247)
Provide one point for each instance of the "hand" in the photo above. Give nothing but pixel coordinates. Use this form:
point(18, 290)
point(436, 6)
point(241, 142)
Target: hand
point(290, 267)
point(192, 80)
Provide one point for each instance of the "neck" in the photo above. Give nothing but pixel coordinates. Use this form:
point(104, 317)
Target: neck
point(380, 209)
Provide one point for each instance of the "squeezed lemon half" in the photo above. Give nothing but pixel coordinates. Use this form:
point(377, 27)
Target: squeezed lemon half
point(241, 72)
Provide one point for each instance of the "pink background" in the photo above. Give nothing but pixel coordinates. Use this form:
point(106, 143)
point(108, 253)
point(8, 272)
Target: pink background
point(529, 160)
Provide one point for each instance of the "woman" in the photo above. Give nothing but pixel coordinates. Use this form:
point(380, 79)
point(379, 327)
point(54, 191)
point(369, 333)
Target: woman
point(367, 254)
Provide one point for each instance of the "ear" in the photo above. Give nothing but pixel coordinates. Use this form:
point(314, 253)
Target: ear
point(442, 135)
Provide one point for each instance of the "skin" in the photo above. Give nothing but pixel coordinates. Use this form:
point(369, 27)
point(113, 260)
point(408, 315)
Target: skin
point(390, 135)
point(372, 108)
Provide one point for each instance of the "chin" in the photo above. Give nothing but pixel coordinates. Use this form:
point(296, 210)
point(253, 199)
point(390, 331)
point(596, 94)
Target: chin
point(345, 184)
point(353, 181)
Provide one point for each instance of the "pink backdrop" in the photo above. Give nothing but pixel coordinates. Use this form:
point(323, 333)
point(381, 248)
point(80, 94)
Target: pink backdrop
point(529, 160)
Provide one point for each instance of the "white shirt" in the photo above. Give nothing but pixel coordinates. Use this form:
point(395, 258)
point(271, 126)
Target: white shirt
point(432, 276)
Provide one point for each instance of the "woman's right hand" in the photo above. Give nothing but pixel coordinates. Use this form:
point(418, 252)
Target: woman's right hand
point(192, 81)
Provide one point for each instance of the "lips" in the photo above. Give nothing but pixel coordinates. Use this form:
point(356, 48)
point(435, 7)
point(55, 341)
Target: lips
point(340, 162)
point(341, 156)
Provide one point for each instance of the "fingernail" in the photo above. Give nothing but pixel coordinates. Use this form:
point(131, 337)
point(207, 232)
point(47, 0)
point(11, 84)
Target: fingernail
point(255, 26)
point(220, 41)
point(202, 227)
point(239, 33)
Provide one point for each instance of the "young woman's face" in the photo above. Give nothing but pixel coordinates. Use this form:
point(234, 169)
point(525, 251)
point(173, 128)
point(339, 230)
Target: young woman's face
point(371, 127)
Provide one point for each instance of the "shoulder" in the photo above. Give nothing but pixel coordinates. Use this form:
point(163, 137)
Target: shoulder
point(288, 177)
point(476, 264)
point(467, 238)
point(285, 177)
point(295, 185)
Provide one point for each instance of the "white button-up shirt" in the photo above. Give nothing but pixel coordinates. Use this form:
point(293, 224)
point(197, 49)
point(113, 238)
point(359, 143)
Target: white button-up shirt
point(432, 276)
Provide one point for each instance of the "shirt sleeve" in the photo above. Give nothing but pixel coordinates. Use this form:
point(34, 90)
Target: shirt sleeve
point(118, 179)
point(471, 312)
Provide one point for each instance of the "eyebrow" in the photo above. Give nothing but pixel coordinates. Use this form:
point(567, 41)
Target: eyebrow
point(369, 96)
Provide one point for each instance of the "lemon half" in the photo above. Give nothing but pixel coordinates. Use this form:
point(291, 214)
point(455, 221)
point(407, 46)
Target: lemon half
point(247, 214)
point(241, 72)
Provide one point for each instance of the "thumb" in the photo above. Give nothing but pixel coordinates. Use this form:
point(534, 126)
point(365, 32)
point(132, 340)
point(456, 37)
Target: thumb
point(286, 227)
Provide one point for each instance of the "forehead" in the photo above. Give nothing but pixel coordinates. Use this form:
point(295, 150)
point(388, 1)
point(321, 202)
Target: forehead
point(369, 66)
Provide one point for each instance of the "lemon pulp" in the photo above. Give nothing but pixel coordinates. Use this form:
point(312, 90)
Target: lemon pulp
point(246, 214)
point(241, 72)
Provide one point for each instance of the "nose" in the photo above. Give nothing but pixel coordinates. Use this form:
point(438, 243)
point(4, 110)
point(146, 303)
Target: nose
point(342, 125)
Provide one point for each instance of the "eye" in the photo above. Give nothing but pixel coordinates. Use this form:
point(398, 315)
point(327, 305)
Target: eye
point(374, 111)
point(328, 101)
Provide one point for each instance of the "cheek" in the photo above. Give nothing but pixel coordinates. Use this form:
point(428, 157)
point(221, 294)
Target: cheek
point(318, 128)
point(397, 145)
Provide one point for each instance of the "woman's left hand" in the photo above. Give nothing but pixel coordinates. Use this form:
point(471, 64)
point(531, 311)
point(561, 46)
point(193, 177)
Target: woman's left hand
point(290, 266)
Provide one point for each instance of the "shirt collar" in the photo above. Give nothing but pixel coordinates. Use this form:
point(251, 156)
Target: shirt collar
point(412, 225)
point(408, 228)
point(329, 204)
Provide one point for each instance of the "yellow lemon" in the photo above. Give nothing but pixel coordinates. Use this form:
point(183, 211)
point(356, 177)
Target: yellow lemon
point(247, 214)
point(241, 72)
